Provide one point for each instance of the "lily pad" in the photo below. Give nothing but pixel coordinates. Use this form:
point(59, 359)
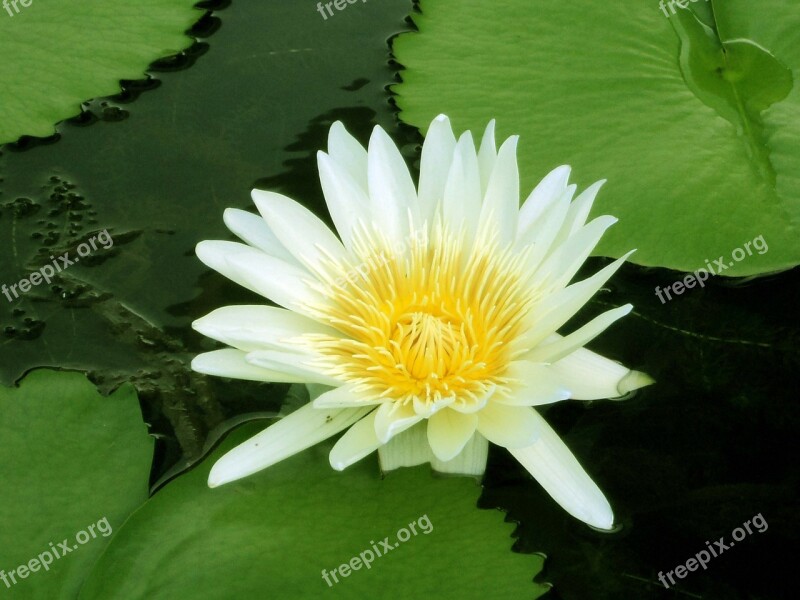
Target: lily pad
point(57, 54)
point(693, 117)
point(273, 534)
point(75, 465)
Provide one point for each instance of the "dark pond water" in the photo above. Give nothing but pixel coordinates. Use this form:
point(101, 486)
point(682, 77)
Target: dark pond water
point(686, 461)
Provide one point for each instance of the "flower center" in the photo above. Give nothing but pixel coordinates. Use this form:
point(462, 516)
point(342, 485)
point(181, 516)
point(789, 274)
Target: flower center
point(438, 323)
point(426, 344)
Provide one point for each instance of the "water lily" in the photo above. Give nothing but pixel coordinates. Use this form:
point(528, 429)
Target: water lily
point(429, 323)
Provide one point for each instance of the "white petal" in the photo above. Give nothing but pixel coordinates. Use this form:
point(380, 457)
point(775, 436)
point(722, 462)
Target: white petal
point(579, 211)
point(391, 189)
point(303, 234)
point(501, 203)
point(558, 308)
point(543, 196)
point(391, 418)
point(349, 153)
point(462, 193)
point(467, 406)
point(357, 442)
point(231, 363)
point(559, 473)
point(299, 365)
point(345, 397)
point(255, 231)
point(279, 281)
point(590, 376)
point(259, 327)
point(437, 157)
point(470, 461)
point(556, 347)
point(425, 409)
point(508, 426)
point(347, 201)
point(407, 449)
point(449, 431)
point(411, 448)
point(299, 430)
point(541, 233)
point(214, 253)
point(562, 264)
point(538, 385)
point(487, 155)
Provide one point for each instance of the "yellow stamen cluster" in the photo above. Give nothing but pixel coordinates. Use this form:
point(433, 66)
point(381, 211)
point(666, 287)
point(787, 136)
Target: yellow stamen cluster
point(433, 322)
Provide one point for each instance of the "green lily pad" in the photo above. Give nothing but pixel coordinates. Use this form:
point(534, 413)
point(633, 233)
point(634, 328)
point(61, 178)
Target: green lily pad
point(55, 55)
point(75, 465)
point(273, 534)
point(693, 117)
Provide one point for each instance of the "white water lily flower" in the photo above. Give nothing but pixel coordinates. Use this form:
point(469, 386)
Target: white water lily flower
point(431, 317)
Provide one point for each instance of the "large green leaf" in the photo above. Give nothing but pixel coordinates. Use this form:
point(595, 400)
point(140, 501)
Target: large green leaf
point(56, 54)
point(691, 117)
point(271, 536)
point(75, 465)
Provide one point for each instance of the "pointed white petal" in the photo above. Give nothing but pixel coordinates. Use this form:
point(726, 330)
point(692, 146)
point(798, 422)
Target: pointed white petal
point(345, 397)
point(391, 418)
point(462, 192)
point(537, 385)
point(303, 234)
point(507, 426)
point(279, 281)
point(347, 201)
point(231, 363)
point(437, 157)
point(558, 308)
point(556, 469)
point(349, 153)
point(579, 211)
point(255, 231)
point(357, 442)
point(543, 196)
point(556, 347)
point(300, 365)
point(299, 430)
point(449, 431)
point(391, 189)
point(501, 202)
point(487, 155)
point(565, 260)
point(259, 327)
point(214, 254)
point(590, 376)
point(541, 233)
